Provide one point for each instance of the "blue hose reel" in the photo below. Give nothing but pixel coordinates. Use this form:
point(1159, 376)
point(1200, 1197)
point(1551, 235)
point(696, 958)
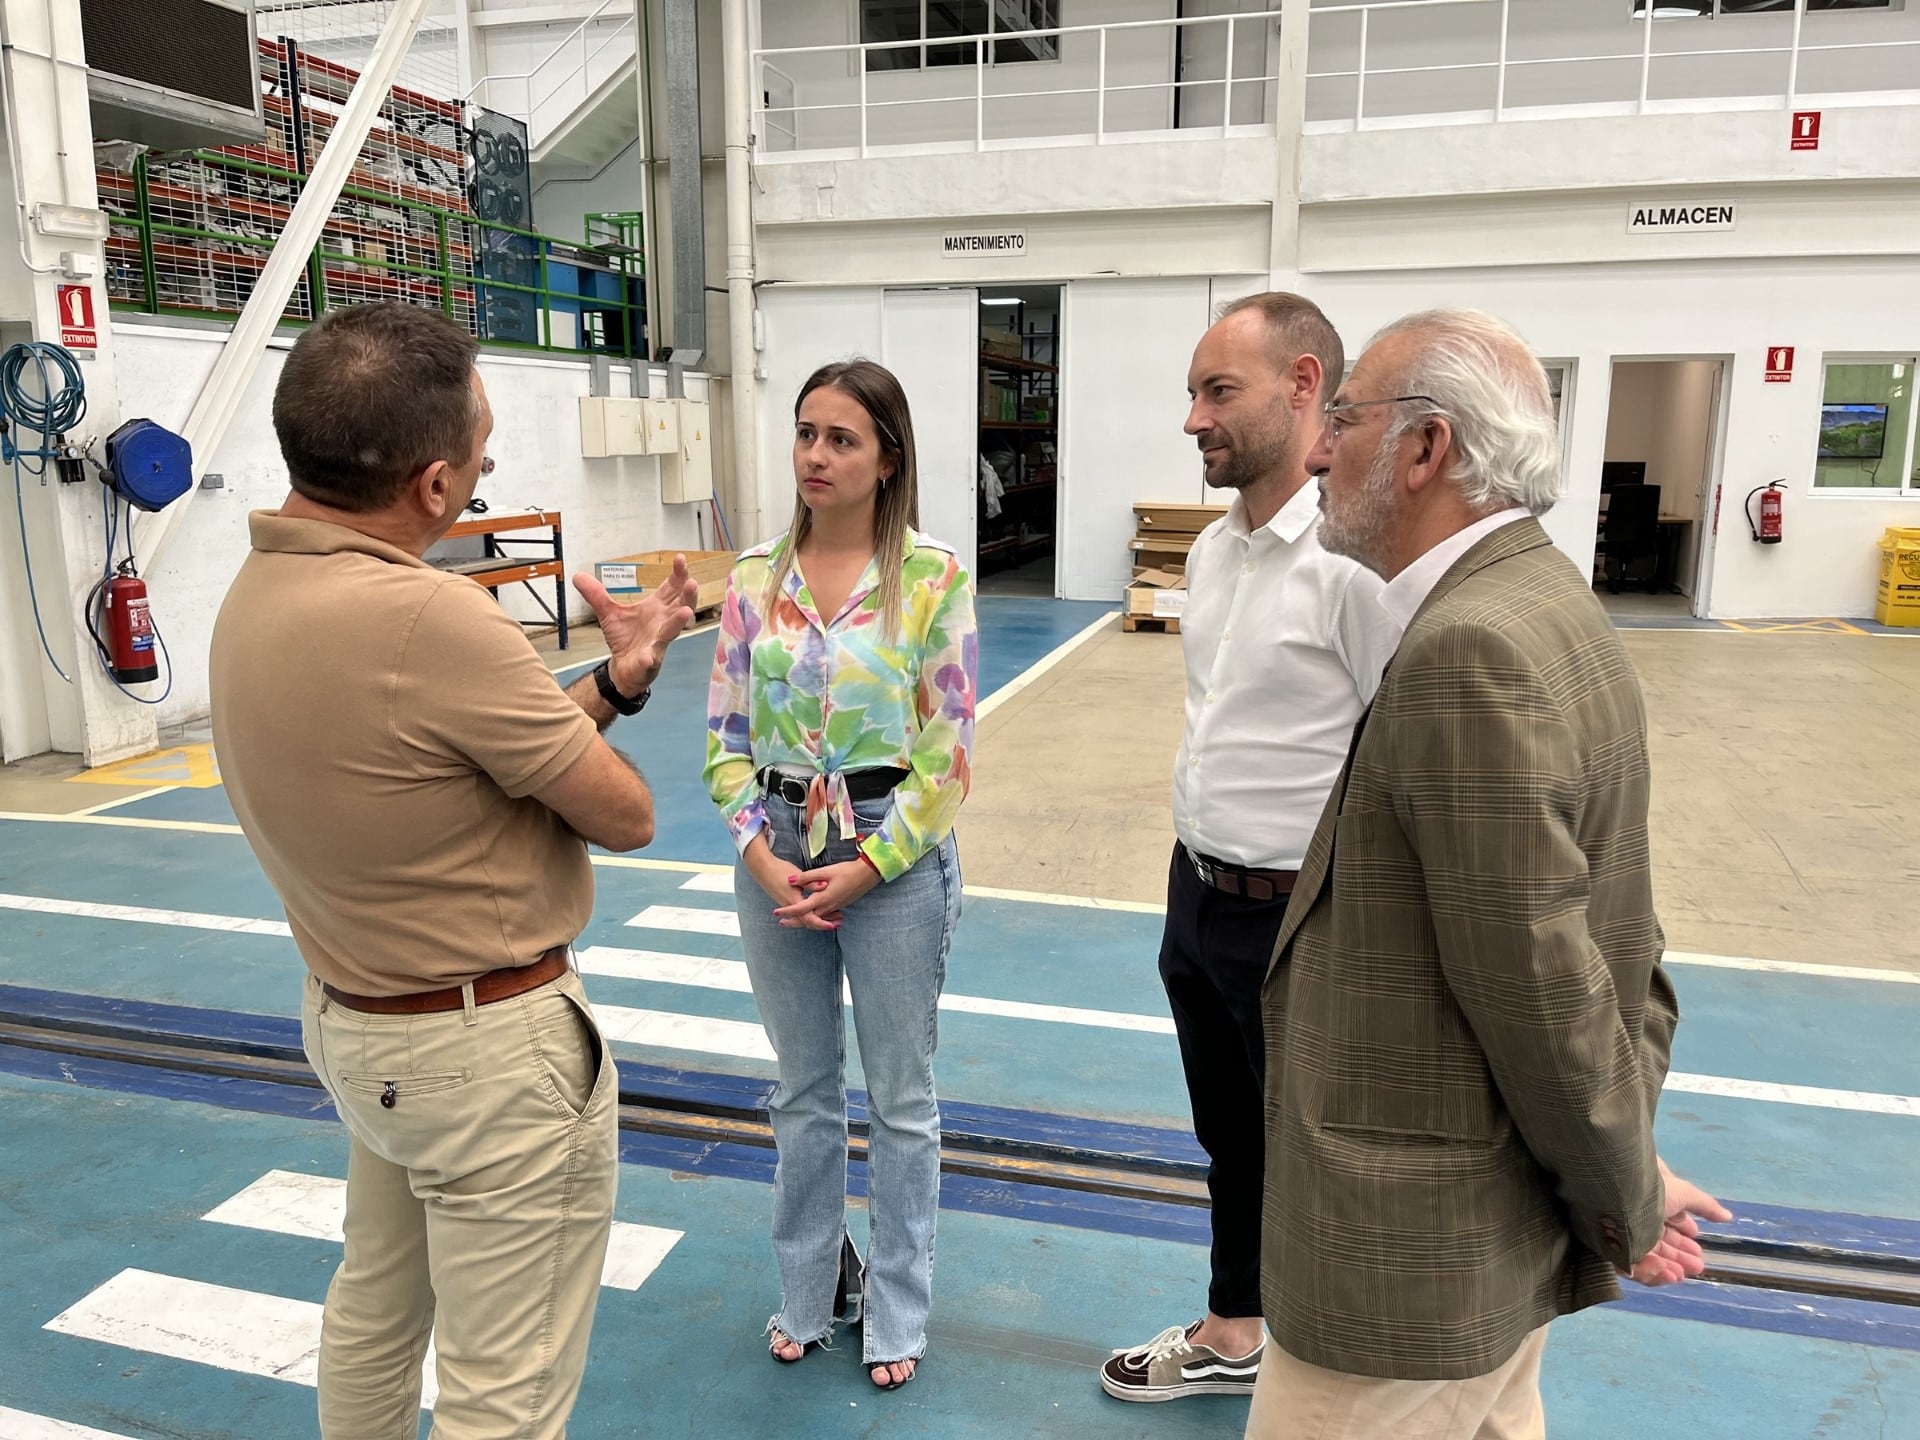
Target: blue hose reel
point(148, 465)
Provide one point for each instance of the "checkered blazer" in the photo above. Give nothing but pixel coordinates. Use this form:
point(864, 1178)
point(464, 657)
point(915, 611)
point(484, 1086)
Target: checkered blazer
point(1467, 1022)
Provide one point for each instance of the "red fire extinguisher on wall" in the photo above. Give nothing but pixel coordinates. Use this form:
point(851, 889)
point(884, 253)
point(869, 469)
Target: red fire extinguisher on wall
point(1767, 529)
point(128, 642)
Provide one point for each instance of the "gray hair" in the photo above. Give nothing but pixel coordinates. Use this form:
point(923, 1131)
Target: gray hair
point(1485, 381)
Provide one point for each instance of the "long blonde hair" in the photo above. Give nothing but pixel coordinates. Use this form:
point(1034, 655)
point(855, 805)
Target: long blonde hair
point(897, 508)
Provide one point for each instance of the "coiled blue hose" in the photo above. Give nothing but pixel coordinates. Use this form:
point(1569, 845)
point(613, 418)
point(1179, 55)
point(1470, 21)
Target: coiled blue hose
point(55, 410)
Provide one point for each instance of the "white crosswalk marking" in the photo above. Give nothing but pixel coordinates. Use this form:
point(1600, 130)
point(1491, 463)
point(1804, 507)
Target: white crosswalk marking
point(20, 1425)
point(144, 915)
point(688, 918)
point(718, 882)
point(313, 1206)
point(668, 1031)
point(238, 1330)
point(709, 973)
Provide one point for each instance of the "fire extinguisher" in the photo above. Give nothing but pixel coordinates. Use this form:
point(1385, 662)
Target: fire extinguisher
point(1767, 530)
point(127, 646)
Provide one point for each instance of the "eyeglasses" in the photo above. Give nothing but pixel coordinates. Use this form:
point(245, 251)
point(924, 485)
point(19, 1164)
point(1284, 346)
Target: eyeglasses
point(1336, 411)
point(486, 464)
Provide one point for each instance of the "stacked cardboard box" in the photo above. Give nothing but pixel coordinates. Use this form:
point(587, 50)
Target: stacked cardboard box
point(631, 576)
point(1163, 534)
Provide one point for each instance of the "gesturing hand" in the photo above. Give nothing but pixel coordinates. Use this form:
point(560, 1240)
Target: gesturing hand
point(638, 635)
point(827, 891)
point(1677, 1254)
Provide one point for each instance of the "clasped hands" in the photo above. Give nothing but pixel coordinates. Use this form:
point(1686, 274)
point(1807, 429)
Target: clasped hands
point(1677, 1254)
point(808, 899)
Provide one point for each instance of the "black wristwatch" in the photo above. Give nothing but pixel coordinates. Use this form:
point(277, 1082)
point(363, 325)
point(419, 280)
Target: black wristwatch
point(609, 692)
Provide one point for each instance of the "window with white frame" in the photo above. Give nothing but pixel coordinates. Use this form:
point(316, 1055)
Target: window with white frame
point(1707, 9)
point(1867, 425)
point(882, 21)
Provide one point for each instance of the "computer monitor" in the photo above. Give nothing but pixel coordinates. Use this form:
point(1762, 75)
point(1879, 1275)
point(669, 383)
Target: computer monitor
point(1614, 473)
point(1853, 432)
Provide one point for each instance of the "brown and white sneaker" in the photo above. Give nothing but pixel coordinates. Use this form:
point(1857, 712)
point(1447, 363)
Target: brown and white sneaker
point(1170, 1367)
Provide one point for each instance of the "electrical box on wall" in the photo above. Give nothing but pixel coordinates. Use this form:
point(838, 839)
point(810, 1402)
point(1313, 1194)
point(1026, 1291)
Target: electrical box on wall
point(662, 427)
point(612, 425)
point(686, 471)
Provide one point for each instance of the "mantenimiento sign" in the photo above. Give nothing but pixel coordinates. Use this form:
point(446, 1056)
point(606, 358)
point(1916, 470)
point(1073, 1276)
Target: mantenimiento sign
point(983, 243)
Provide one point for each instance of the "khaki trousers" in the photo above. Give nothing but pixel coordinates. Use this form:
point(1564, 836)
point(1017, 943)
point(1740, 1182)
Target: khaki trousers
point(1293, 1400)
point(478, 1207)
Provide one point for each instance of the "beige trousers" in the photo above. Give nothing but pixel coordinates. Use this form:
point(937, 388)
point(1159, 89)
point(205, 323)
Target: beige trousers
point(478, 1206)
point(1293, 1400)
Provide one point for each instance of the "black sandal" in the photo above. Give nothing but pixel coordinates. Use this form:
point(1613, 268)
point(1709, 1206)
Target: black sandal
point(887, 1365)
point(777, 1337)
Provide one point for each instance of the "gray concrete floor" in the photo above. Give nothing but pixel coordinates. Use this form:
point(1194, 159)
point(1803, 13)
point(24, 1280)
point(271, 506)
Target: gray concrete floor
point(1786, 814)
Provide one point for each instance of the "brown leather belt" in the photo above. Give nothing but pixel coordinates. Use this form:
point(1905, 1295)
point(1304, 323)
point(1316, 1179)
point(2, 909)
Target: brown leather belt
point(1238, 880)
point(501, 984)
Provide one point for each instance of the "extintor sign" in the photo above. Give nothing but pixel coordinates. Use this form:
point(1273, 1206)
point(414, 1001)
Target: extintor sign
point(77, 330)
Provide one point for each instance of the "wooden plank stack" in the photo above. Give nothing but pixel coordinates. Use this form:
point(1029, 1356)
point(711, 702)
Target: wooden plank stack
point(1163, 534)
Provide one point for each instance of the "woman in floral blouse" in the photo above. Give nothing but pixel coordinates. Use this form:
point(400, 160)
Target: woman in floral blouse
point(839, 729)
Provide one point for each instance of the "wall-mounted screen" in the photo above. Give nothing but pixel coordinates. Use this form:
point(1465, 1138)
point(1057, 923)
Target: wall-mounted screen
point(1853, 432)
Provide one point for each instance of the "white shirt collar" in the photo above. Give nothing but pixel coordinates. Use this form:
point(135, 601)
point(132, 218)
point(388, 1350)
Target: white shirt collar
point(1289, 522)
point(1408, 590)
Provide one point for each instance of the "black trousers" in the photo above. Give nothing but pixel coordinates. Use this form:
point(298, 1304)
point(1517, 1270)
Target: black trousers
point(1213, 959)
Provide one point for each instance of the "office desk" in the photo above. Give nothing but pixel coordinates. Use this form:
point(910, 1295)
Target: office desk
point(1671, 532)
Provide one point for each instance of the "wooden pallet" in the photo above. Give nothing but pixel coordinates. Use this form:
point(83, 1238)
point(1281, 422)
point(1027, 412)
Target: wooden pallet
point(1151, 623)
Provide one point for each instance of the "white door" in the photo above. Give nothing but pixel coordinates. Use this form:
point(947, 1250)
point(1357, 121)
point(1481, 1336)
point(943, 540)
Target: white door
point(931, 340)
point(1123, 403)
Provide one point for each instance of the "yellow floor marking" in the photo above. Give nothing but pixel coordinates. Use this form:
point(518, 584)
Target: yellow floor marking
point(189, 765)
point(1796, 627)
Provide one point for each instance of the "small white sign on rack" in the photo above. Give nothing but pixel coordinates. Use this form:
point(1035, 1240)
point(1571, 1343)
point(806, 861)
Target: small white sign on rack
point(983, 244)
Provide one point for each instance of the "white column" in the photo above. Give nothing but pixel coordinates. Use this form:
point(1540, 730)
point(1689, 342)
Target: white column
point(1289, 124)
point(49, 153)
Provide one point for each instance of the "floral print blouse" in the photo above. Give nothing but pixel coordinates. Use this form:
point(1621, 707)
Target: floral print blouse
point(829, 695)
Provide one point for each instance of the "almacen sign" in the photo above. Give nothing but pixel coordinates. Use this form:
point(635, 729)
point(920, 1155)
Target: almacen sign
point(1662, 216)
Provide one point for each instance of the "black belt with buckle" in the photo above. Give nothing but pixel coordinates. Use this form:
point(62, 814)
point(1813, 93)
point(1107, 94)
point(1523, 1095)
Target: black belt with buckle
point(870, 784)
point(1238, 880)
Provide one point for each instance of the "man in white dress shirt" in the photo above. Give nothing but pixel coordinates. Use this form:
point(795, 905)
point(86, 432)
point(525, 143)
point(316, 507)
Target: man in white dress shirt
point(1284, 646)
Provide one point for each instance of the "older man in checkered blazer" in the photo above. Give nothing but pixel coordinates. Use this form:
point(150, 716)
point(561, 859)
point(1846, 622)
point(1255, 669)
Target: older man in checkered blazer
point(1467, 1021)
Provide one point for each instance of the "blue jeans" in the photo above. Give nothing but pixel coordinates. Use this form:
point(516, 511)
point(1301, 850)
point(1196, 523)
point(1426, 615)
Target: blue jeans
point(892, 948)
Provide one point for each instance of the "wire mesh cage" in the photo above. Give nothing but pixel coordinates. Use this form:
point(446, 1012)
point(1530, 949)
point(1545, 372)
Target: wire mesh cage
point(436, 211)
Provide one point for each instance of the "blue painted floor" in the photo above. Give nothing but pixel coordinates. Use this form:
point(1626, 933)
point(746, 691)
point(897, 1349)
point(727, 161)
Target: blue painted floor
point(668, 741)
point(97, 1176)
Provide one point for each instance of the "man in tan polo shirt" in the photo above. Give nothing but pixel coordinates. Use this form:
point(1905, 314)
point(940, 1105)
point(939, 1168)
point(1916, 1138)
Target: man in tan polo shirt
point(421, 792)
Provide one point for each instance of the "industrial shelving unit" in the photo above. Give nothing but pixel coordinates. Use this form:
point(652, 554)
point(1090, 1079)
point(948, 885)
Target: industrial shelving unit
point(1024, 528)
point(434, 213)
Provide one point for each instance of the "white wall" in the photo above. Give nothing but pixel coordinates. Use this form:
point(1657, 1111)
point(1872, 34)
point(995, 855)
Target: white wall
point(805, 328)
point(1123, 402)
point(1591, 313)
point(611, 507)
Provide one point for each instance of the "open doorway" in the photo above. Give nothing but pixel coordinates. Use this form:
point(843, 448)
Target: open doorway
point(1019, 500)
point(1656, 485)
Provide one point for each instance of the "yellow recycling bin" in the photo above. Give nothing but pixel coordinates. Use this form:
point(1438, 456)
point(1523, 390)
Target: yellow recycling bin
point(1899, 600)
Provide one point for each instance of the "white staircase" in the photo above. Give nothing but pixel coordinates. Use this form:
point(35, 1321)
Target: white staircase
point(579, 100)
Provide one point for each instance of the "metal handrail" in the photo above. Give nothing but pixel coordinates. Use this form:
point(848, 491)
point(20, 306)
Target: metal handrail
point(1646, 54)
point(980, 95)
point(547, 59)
